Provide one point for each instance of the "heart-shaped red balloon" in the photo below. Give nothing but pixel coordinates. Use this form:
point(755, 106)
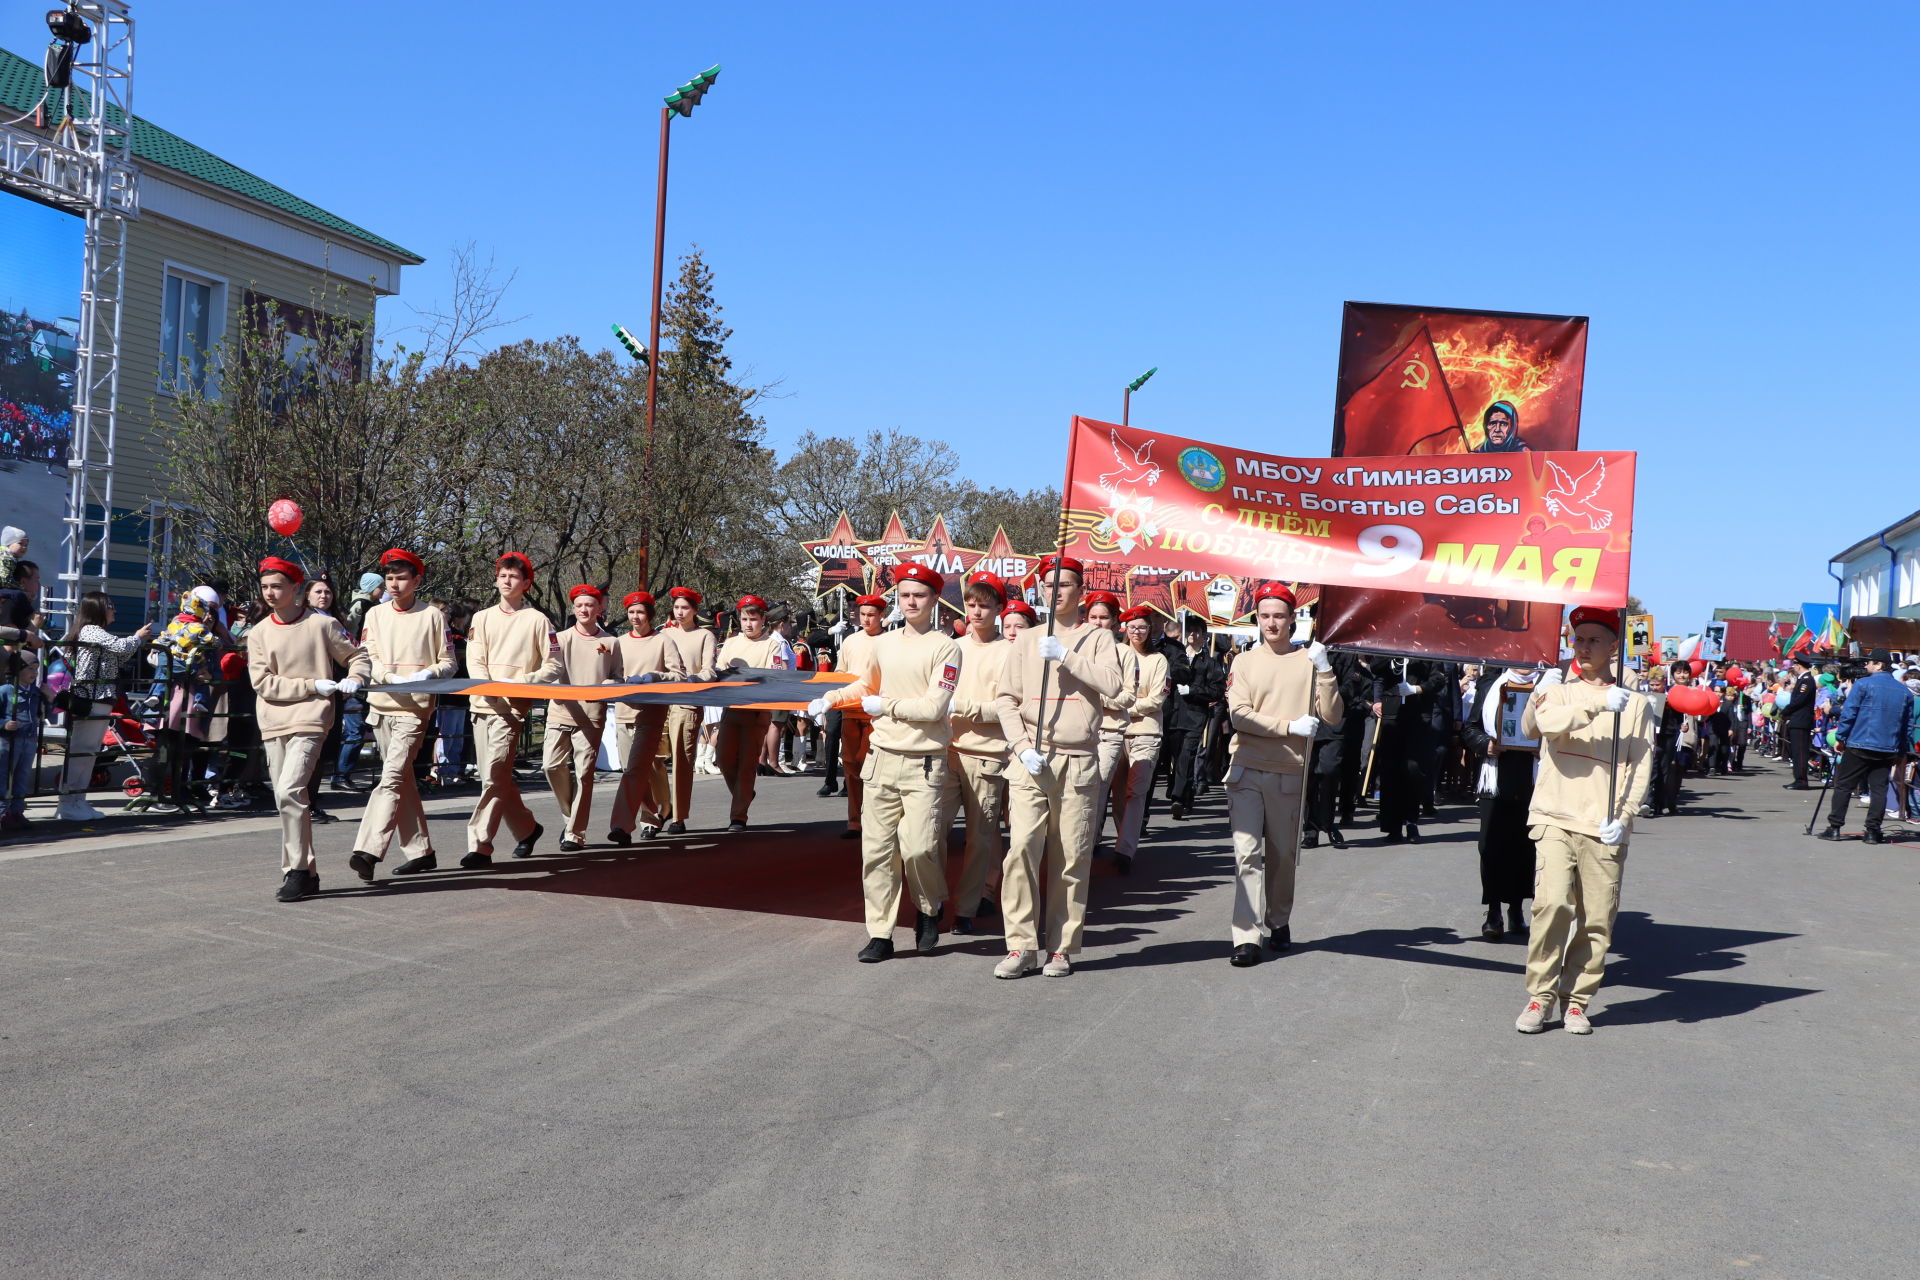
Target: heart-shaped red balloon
point(1692, 700)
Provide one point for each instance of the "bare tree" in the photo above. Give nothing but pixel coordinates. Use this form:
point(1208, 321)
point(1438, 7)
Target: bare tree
point(452, 333)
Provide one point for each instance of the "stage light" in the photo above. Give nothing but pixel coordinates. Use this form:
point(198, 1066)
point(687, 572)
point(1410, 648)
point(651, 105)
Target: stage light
point(631, 343)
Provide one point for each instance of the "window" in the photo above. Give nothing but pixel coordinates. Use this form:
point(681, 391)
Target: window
point(1909, 579)
point(193, 320)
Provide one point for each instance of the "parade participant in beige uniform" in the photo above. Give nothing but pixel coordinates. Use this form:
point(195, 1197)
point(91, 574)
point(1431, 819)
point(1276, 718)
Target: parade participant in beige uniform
point(645, 656)
point(1050, 697)
point(977, 762)
point(1595, 737)
point(1146, 689)
point(743, 733)
point(589, 654)
point(1102, 608)
point(1015, 618)
point(510, 641)
point(1276, 698)
point(906, 686)
point(692, 651)
point(406, 641)
point(856, 651)
point(290, 659)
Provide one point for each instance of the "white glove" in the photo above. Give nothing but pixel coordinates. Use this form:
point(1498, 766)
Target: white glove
point(1406, 690)
point(412, 677)
point(1304, 727)
point(324, 688)
point(1035, 762)
point(1550, 677)
point(893, 615)
point(1317, 654)
point(873, 706)
point(840, 628)
point(349, 686)
point(1612, 832)
point(817, 708)
point(1051, 649)
point(1184, 689)
point(1617, 698)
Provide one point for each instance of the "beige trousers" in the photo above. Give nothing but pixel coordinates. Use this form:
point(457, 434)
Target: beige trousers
point(1264, 811)
point(855, 733)
point(901, 838)
point(496, 738)
point(976, 789)
point(683, 737)
point(568, 758)
point(1051, 821)
point(393, 807)
point(290, 761)
point(737, 751)
point(1112, 749)
point(1576, 894)
point(643, 787)
point(1143, 753)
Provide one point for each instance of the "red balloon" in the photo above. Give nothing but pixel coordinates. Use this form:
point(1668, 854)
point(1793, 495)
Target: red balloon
point(1692, 700)
point(1699, 666)
point(284, 517)
point(1738, 677)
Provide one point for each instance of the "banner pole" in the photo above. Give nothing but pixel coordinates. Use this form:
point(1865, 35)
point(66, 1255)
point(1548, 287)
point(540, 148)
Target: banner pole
point(1619, 678)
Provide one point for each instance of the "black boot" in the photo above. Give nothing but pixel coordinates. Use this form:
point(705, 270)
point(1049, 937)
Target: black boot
point(1491, 929)
point(926, 931)
point(1874, 837)
point(1335, 839)
point(876, 950)
point(1517, 918)
point(1831, 832)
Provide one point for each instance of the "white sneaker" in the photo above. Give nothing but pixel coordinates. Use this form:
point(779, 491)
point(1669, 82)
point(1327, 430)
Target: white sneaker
point(74, 808)
point(1058, 966)
point(1538, 1015)
point(1017, 964)
point(1577, 1023)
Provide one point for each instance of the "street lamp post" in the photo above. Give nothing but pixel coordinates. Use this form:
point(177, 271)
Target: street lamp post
point(1126, 400)
point(680, 102)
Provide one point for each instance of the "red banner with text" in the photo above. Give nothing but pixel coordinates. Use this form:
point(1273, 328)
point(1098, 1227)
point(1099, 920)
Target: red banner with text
point(1553, 528)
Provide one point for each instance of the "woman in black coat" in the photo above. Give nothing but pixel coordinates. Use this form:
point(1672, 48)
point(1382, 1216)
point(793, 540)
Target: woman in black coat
point(1506, 850)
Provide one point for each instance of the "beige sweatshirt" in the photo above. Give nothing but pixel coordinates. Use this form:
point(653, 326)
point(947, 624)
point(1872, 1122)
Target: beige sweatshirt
point(914, 673)
point(751, 653)
point(651, 654)
point(584, 659)
point(694, 651)
point(856, 651)
point(519, 647)
point(401, 644)
point(1267, 691)
point(1113, 711)
point(1148, 688)
point(976, 707)
point(1074, 688)
point(1576, 756)
point(283, 661)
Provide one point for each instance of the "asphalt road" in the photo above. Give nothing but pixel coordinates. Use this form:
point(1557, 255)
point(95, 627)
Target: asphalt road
point(663, 1061)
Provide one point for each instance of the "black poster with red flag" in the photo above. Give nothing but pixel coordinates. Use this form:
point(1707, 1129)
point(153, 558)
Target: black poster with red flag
point(1423, 381)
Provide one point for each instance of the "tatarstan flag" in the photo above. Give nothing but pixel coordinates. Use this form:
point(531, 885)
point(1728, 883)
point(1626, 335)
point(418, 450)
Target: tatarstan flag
point(1405, 408)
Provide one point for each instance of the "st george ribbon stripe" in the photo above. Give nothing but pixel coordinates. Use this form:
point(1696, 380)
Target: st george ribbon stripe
point(748, 688)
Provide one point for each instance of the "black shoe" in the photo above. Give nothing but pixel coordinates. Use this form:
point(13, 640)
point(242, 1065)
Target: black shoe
point(1281, 939)
point(321, 816)
point(1795, 786)
point(876, 950)
point(616, 836)
point(477, 861)
point(1830, 833)
point(1874, 837)
point(425, 862)
point(826, 791)
point(963, 925)
point(363, 865)
point(926, 931)
point(649, 833)
point(676, 828)
point(1428, 811)
point(525, 848)
point(1413, 834)
point(1310, 839)
point(1244, 956)
point(293, 887)
point(1516, 919)
point(1491, 929)
point(1335, 839)
point(572, 846)
point(851, 833)
point(738, 824)
point(1123, 864)
point(1179, 811)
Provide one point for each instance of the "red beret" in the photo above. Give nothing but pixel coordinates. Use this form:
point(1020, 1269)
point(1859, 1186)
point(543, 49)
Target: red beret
point(1138, 611)
point(751, 602)
point(1608, 618)
point(1068, 563)
point(514, 558)
point(274, 564)
point(587, 589)
point(637, 597)
point(878, 602)
point(1022, 608)
point(684, 593)
point(1275, 591)
point(1106, 598)
point(993, 582)
point(920, 573)
point(394, 555)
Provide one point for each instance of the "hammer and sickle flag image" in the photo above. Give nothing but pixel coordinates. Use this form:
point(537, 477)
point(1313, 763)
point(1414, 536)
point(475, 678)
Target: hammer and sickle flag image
point(1406, 407)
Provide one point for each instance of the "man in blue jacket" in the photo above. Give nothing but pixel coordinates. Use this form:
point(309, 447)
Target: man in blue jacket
point(1876, 727)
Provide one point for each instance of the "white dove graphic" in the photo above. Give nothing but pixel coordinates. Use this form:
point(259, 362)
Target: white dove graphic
point(1135, 469)
point(1575, 497)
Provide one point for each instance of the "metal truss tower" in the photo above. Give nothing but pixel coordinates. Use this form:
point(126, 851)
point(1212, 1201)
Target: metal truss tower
point(85, 166)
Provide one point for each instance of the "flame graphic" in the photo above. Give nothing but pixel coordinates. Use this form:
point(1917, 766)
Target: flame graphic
point(1484, 361)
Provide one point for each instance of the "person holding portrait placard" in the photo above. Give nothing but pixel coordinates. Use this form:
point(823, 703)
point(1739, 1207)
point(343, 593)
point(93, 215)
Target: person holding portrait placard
point(1505, 792)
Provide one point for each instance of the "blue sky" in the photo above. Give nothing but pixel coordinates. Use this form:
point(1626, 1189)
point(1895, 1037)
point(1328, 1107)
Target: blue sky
point(973, 221)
